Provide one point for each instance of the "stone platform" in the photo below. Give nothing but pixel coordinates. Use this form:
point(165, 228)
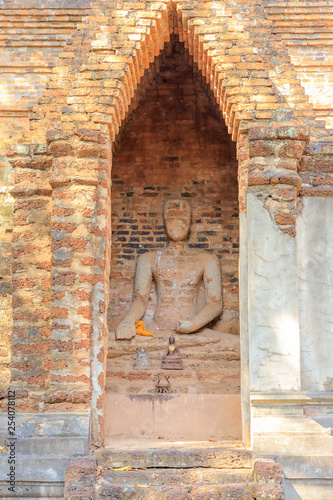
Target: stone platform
point(211, 363)
point(43, 444)
point(202, 402)
point(168, 416)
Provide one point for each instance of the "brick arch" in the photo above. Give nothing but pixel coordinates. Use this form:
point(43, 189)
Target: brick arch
point(90, 95)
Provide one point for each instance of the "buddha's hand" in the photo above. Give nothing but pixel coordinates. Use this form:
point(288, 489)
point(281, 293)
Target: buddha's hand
point(125, 330)
point(184, 327)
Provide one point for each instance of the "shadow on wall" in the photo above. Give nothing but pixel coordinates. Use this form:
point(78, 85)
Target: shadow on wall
point(174, 144)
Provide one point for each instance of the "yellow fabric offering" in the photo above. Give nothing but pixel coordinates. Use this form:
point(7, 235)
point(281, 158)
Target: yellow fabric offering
point(140, 329)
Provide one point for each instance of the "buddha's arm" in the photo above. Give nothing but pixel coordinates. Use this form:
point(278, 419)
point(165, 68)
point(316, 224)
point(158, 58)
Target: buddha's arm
point(212, 282)
point(143, 278)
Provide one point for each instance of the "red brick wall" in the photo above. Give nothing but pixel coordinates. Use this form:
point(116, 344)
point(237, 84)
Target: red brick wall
point(306, 30)
point(85, 103)
point(175, 143)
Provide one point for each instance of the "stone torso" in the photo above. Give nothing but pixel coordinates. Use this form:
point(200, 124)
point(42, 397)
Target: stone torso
point(178, 277)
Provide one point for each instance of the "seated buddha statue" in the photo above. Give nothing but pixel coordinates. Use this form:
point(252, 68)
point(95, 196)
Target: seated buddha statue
point(178, 272)
point(172, 360)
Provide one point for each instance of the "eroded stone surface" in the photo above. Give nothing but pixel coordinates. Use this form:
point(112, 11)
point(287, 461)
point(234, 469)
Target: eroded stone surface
point(178, 271)
point(274, 343)
point(211, 364)
point(315, 260)
point(172, 472)
point(214, 455)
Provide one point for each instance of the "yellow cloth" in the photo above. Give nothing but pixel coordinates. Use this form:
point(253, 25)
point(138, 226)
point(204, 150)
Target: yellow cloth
point(140, 329)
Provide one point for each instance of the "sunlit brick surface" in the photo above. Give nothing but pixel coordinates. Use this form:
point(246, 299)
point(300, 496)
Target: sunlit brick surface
point(306, 29)
point(57, 166)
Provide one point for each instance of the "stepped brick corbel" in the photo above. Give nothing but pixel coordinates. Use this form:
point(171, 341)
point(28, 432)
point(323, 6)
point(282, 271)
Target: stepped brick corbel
point(275, 154)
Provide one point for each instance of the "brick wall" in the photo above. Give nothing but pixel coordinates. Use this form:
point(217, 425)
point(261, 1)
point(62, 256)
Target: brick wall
point(33, 34)
point(64, 181)
point(175, 144)
point(306, 30)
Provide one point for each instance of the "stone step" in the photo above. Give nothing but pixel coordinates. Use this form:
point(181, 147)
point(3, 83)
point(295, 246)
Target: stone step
point(206, 339)
point(173, 456)
point(210, 355)
point(180, 476)
point(179, 492)
point(33, 490)
point(33, 469)
point(186, 471)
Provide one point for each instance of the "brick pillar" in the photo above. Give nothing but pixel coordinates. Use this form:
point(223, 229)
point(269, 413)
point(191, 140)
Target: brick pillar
point(31, 274)
point(80, 269)
point(273, 319)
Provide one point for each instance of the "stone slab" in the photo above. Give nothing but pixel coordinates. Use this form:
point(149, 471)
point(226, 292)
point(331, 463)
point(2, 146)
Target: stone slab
point(176, 455)
point(178, 476)
point(35, 469)
point(55, 446)
point(274, 346)
point(207, 492)
point(33, 491)
point(64, 425)
point(181, 416)
point(308, 490)
point(315, 264)
point(307, 467)
point(323, 445)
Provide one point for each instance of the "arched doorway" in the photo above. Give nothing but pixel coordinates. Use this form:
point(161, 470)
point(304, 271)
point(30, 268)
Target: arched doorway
point(174, 144)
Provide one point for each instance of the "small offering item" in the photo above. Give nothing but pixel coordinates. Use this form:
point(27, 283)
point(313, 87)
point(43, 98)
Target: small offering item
point(141, 330)
point(163, 385)
point(142, 361)
point(172, 360)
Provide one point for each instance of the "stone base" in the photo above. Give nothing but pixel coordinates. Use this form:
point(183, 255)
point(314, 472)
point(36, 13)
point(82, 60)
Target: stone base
point(211, 364)
point(202, 400)
point(183, 471)
point(187, 417)
point(301, 489)
point(296, 429)
point(44, 443)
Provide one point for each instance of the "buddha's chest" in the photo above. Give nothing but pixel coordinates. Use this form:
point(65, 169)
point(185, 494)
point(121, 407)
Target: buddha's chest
point(177, 270)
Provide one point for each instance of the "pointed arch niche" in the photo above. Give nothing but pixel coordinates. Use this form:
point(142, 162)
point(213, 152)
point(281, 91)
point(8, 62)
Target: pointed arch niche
point(175, 143)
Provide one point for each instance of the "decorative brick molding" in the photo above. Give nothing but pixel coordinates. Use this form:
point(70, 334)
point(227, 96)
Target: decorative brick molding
point(275, 154)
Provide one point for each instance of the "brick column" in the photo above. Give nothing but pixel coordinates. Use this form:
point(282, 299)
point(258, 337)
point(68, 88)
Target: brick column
point(80, 270)
point(31, 274)
point(273, 319)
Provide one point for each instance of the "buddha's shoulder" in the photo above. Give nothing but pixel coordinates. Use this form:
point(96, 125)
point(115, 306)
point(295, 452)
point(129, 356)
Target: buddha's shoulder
point(203, 254)
point(148, 257)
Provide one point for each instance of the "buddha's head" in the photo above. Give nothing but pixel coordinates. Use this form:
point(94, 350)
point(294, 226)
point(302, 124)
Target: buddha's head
point(177, 219)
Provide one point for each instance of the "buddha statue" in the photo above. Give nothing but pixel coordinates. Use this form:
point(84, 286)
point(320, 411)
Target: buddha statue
point(178, 272)
point(172, 360)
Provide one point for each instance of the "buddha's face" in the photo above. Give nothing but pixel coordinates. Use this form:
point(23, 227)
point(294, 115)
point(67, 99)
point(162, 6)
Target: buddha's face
point(177, 219)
